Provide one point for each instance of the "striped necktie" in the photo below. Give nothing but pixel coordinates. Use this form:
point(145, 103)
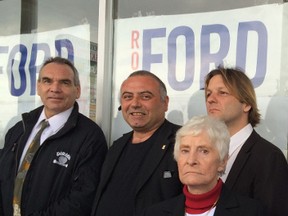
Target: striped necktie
point(33, 147)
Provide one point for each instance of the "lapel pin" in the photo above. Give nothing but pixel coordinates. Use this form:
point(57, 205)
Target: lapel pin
point(163, 147)
point(167, 174)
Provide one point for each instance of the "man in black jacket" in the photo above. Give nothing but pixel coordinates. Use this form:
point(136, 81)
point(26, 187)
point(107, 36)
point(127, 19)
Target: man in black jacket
point(139, 169)
point(255, 168)
point(64, 173)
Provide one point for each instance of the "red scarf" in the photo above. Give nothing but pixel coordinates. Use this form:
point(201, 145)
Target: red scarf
point(200, 203)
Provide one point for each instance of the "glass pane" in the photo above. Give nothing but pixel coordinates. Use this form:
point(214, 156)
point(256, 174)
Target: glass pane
point(30, 32)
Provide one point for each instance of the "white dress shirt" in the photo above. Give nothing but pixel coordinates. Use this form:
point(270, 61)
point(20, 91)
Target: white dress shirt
point(56, 122)
point(236, 143)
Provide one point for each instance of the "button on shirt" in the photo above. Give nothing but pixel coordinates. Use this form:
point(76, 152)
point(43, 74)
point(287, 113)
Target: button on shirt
point(236, 143)
point(56, 122)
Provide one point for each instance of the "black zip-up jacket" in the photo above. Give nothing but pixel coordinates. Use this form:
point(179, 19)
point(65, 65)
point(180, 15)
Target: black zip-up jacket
point(64, 173)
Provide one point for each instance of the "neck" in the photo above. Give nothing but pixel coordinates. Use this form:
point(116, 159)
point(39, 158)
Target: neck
point(200, 203)
point(141, 135)
point(234, 128)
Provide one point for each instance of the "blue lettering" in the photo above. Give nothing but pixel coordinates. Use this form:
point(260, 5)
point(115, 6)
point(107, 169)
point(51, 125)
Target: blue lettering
point(206, 56)
point(22, 81)
point(19, 85)
point(67, 44)
point(189, 54)
point(33, 68)
point(148, 57)
point(261, 64)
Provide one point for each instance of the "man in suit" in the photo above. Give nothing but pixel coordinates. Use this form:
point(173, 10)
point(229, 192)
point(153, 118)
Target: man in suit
point(139, 169)
point(255, 167)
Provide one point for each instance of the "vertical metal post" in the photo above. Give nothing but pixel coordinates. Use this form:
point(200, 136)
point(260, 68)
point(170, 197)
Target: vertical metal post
point(29, 23)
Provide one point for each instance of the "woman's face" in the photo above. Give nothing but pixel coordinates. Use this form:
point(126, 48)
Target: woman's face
point(199, 163)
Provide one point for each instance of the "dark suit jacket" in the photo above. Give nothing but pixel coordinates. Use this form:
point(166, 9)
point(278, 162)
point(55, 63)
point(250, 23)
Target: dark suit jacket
point(229, 204)
point(154, 183)
point(260, 171)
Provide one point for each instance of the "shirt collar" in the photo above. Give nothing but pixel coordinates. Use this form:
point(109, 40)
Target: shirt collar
point(240, 137)
point(57, 121)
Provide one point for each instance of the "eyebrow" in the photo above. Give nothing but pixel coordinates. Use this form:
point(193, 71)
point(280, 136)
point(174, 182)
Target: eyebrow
point(60, 80)
point(45, 77)
point(139, 93)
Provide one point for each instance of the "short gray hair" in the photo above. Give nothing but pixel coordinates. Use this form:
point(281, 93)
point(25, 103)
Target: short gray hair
point(217, 132)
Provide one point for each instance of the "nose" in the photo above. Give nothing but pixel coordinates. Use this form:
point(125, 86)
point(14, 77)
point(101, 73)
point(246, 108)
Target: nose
point(55, 87)
point(135, 103)
point(192, 159)
point(211, 98)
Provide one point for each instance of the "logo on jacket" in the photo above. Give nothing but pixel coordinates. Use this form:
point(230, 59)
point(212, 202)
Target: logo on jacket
point(62, 159)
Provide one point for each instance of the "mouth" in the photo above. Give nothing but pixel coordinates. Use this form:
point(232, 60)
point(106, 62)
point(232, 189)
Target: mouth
point(213, 110)
point(193, 173)
point(137, 113)
point(55, 98)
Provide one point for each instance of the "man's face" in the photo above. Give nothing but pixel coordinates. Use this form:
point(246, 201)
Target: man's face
point(141, 103)
point(56, 88)
point(220, 103)
point(199, 163)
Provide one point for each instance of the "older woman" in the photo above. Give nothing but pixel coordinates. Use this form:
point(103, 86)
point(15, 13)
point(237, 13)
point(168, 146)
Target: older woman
point(201, 152)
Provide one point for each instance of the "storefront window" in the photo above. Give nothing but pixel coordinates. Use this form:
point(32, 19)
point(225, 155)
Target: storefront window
point(30, 32)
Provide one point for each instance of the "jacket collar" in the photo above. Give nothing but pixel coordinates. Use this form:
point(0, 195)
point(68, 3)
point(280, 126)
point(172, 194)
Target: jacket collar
point(31, 118)
point(241, 159)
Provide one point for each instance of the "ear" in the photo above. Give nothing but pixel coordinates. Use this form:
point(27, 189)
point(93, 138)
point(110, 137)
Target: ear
point(166, 103)
point(246, 107)
point(37, 86)
point(222, 165)
point(78, 89)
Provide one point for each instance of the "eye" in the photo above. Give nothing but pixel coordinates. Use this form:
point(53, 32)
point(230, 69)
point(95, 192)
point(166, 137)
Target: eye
point(184, 151)
point(46, 81)
point(208, 94)
point(66, 82)
point(223, 93)
point(146, 96)
point(204, 151)
point(127, 97)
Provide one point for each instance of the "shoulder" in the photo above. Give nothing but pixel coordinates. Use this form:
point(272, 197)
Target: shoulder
point(124, 138)
point(121, 141)
point(80, 120)
point(84, 132)
point(171, 125)
point(167, 130)
point(86, 124)
point(14, 133)
point(26, 124)
point(261, 146)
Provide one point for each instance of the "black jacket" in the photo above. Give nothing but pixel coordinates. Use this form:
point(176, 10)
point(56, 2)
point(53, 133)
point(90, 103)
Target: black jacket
point(64, 174)
point(260, 171)
point(229, 204)
point(152, 184)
